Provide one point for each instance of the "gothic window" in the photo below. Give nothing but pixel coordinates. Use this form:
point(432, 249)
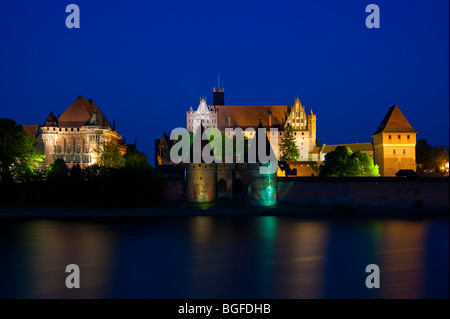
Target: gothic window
point(78, 148)
point(68, 149)
point(59, 148)
point(87, 149)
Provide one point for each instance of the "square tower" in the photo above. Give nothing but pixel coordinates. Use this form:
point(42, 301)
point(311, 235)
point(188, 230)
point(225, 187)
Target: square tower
point(219, 96)
point(394, 143)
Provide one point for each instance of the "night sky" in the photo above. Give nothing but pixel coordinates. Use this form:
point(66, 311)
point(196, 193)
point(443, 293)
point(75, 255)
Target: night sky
point(145, 63)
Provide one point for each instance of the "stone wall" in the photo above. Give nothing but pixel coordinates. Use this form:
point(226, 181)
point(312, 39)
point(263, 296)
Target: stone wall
point(392, 191)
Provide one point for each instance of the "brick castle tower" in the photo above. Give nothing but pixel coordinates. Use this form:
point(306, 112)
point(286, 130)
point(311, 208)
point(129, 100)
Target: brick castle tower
point(394, 143)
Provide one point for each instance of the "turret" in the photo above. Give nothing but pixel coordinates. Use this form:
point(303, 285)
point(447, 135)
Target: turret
point(201, 177)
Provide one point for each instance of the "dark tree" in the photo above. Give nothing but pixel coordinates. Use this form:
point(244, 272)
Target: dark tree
point(58, 170)
point(342, 162)
point(431, 159)
point(288, 148)
point(109, 155)
point(18, 156)
point(136, 159)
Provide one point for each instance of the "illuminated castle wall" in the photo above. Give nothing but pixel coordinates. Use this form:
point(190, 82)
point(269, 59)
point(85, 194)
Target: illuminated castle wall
point(393, 149)
point(77, 135)
point(201, 180)
point(394, 143)
point(248, 116)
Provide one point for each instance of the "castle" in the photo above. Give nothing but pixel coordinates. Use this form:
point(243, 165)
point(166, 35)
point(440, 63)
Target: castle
point(222, 116)
point(393, 149)
point(76, 136)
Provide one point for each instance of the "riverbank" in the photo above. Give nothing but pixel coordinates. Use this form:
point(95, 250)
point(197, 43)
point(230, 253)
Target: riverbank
point(222, 208)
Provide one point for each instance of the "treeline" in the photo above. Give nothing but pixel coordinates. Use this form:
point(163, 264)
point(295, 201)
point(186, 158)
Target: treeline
point(116, 180)
point(431, 160)
point(125, 186)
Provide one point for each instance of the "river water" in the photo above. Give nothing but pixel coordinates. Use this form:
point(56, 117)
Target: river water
point(224, 257)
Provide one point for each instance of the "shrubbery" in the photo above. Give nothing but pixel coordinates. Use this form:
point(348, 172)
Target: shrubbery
point(135, 183)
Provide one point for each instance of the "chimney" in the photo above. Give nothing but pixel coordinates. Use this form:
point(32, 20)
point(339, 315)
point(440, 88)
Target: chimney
point(229, 120)
point(270, 120)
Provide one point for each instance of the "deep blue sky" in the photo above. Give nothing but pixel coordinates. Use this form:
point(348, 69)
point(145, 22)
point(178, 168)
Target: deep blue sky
point(146, 62)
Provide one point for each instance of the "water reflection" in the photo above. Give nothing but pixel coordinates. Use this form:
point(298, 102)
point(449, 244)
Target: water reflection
point(301, 251)
point(224, 257)
point(402, 258)
point(46, 247)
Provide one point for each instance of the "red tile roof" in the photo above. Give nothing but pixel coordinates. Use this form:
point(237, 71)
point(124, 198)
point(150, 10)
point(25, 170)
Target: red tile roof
point(245, 116)
point(51, 121)
point(395, 122)
point(31, 130)
point(80, 112)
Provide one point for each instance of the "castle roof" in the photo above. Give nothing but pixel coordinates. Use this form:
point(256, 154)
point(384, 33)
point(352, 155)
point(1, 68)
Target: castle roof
point(395, 122)
point(31, 130)
point(51, 120)
point(246, 116)
point(165, 140)
point(80, 112)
